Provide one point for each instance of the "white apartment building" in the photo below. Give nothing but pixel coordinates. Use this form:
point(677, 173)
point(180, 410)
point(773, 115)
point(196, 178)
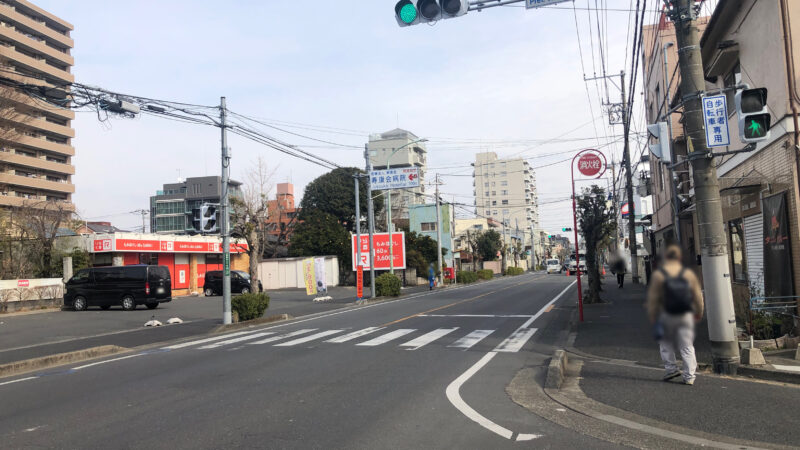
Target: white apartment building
point(505, 190)
point(410, 154)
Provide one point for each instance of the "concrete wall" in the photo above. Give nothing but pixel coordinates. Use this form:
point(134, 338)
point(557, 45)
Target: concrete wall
point(17, 295)
point(283, 273)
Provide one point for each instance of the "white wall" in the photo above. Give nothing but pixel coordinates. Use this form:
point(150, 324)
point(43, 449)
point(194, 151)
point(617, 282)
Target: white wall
point(285, 273)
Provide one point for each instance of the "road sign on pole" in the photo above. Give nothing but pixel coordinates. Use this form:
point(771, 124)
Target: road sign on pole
point(407, 177)
point(715, 118)
point(381, 253)
point(360, 282)
point(529, 4)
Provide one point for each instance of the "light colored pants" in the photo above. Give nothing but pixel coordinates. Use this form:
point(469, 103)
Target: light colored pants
point(678, 336)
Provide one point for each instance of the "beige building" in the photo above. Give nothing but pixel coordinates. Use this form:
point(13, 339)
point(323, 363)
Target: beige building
point(743, 41)
point(505, 191)
point(401, 149)
point(35, 139)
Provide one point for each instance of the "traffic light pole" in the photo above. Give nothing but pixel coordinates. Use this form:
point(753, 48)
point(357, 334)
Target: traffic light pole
point(439, 234)
point(371, 219)
point(713, 246)
point(225, 229)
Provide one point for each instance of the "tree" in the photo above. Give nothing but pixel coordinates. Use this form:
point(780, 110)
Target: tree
point(488, 244)
point(320, 233)
point(596, 224)
point(420, 252)
point(249, 213)
point(333, 194)
point(35, 226)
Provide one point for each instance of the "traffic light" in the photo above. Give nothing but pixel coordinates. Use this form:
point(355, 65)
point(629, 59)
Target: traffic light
point(754, 119)
point(208, 218)
point(566, 229)
point(423, 11)
point(661, 148)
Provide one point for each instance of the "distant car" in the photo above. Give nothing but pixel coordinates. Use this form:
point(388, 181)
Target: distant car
point(240, 283)
point(553, 266)
point(127, 286)
point(573, 267)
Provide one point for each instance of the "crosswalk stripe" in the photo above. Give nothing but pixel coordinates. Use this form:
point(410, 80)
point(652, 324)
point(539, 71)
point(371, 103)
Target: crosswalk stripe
point(238, 339)
point(305, 339)
point(516, 341)
point(353, 335)
point(471, 339)
point(203, 341)
point(382, 339)
point(283, 336)
point(427, 338)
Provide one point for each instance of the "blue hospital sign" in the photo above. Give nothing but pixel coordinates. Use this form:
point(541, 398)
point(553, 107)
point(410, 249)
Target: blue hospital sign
point(406, 177)
point(715, 118)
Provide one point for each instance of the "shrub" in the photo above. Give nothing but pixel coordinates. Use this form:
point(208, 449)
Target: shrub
point(466, 277)
point(486, 274)
point(515, 271)
point(250, 306)
point(387, 284)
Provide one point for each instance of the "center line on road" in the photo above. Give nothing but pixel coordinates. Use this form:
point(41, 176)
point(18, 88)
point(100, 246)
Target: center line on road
point(18, 380)
point(107, 361)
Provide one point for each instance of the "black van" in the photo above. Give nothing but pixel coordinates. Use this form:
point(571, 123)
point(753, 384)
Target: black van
point(126, 286)
point(240, 283)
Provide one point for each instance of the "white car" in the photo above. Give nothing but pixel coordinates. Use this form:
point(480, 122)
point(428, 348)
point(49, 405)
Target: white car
point(553, 266)
point(573, 267)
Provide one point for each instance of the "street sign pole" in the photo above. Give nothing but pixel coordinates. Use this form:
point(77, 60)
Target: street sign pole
point(371, 218)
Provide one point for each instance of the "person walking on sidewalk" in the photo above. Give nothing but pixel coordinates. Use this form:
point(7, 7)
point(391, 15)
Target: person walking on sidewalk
point(674, 305)
point(618, 268)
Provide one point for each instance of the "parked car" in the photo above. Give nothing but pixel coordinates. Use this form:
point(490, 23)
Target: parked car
point(127, 286)
point(553, 266)
point(240, 283)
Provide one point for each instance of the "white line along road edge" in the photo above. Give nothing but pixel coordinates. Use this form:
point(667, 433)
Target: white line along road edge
point(453, 388)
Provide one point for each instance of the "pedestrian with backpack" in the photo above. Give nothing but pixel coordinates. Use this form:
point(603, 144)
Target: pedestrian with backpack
point(674, 305)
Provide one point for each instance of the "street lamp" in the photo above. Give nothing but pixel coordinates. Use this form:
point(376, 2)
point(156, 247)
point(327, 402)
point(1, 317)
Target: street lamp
point(389, 205)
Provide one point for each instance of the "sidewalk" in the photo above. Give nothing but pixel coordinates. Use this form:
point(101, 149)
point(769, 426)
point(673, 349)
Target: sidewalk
point(729, 406)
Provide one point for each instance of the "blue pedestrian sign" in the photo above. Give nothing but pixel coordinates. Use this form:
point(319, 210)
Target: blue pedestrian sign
point(539, 3)
point(715, 121)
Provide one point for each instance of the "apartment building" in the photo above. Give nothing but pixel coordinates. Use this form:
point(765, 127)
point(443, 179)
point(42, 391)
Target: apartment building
point(35, 139)
point(282, 213)
point(175, 209)
point(505, 191)
point(400, 148)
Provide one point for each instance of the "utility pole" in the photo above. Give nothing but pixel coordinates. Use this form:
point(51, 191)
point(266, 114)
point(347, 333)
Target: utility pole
point(629, 187)
point(615, 203)
point(676, 204)
point(533, 249)
point(144, 213)
point(225, 230)
point(371, 220)
point(503, 259)
point(713, 245)
point(439, 233)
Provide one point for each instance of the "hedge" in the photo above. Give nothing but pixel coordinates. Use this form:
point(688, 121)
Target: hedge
point(250, 306)
point(466, 277)
point(486, 274)
point(515, 271)
point(387, 285)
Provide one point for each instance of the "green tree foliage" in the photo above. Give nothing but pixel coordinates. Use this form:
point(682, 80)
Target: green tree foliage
point(595, 224)
point(489, 243)
point(333, 194)
point(420, 252)
point(319, 234)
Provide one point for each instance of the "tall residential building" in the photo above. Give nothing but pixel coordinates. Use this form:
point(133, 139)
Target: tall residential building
point(281, 212)
point(35, 139)
point(410, 154)
point(505, 190)
point(176, 208)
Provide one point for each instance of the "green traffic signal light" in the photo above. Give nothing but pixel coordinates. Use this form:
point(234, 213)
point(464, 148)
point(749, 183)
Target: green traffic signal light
point(756, 126)
point(406, 11)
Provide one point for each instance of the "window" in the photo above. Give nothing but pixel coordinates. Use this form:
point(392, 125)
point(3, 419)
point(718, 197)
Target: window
point(494, 192)
point(486, 184)
point(174, 207)
point(486, 194)
point(493, 183)
point(504, 192)
point(504, 183)
point(505, 202)
point(505, 212)
point(503, 173)
point(494, 202)
point(737, 250)
point(428, 226)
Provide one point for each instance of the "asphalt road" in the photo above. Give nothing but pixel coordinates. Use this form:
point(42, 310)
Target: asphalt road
point(426, 371)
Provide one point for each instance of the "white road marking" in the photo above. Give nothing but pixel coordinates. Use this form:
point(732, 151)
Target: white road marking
point(454, 396)
point(18, 380)
point(238, 339)
point(108, 361)
point(282, 336)
point(203, 341)
point(453, 388)
point(471, 339)
point(305, 339)
point(427, 338)
point(387, 337)
point(516, 341)
point(504, 316)
point(528, 437)
point(353, 335)
point(786, 368)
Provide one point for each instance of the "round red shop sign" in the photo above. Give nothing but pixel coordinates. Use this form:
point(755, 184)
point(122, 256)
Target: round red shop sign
point(589, 164)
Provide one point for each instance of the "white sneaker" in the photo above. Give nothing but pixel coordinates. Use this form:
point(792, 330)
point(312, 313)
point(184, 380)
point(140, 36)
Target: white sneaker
point(689, 382)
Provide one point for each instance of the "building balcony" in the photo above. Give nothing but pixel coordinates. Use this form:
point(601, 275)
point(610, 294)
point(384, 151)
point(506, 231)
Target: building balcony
point(31, 103)
point(44, 144)
point(37, 163)
point(37, 183)
point(34, 44)
point(38, 25)
point(35, 65)
point(7, 199)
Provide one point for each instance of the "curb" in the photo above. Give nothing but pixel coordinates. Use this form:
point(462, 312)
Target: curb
point(249, 323)
point(768, 374)
point(556, 370)
point(43, 362)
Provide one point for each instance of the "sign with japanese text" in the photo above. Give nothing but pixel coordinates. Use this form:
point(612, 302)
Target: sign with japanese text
point(309, 277)
point(360, 282)
point(715, 118)
point(381, 253)
point(590, 164)
point(102, 245)
point(166, 246)
point(407, 177)
point(539, 3)
point(23, 283)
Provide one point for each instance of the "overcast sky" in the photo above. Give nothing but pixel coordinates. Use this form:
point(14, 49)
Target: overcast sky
point(505, 79)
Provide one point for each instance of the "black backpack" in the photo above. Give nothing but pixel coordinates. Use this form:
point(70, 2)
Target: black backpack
point(677, 293)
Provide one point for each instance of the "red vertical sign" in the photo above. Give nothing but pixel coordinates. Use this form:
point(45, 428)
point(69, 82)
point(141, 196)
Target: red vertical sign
point(360, 282)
